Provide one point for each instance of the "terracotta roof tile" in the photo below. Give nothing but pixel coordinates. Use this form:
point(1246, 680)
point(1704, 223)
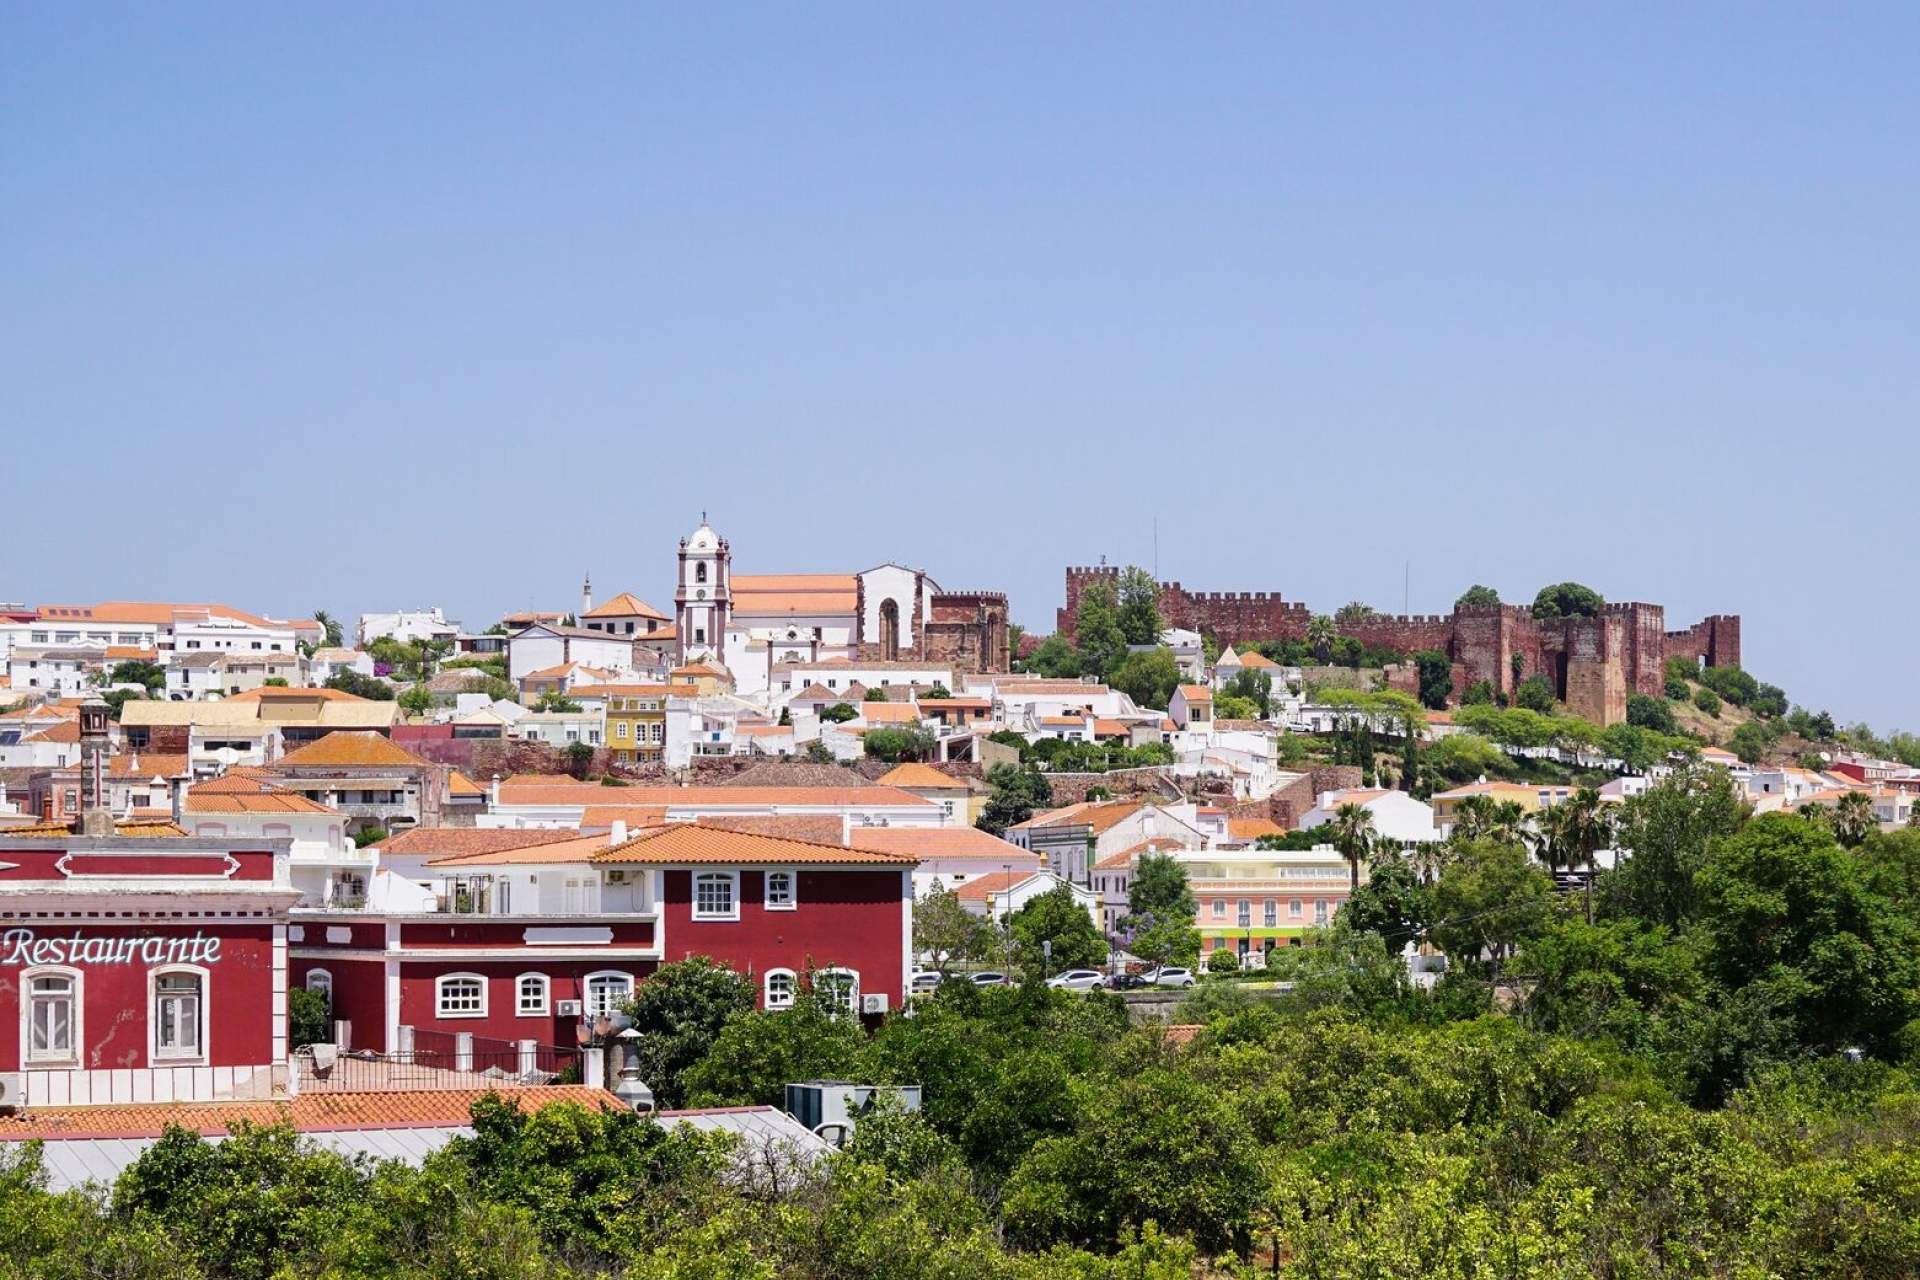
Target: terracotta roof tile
point(1196, 693)
point(346, 749)
point(696, 842)
point(242, 793)
point(941, 842)
point(924, 776)
point(563, 794)
point(625, 605)
point(435, 842)
point(309, 1113)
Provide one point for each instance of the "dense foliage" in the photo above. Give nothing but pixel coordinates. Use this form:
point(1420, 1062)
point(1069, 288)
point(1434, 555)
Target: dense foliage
point(1707, 1069)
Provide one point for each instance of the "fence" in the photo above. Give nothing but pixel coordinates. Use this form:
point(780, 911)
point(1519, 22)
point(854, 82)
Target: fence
point(436, 1060)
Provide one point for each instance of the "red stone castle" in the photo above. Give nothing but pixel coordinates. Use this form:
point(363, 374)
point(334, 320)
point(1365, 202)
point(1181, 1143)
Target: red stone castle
point(1592, 663)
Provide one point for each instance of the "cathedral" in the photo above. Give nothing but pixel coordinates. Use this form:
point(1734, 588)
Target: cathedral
point(752, 624)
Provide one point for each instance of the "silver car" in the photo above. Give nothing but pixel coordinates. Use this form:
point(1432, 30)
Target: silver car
point(1172, 978)
point(1077, 980)
point(990, 980)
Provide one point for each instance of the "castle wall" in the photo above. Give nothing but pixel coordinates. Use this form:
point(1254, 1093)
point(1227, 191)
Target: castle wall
point(1631, 638)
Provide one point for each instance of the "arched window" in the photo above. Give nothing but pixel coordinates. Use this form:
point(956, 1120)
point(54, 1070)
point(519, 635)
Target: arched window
point(51, 1015)
point(530, 995)
point(460, 995)
point(606, 992)
point(782, 893)
point(178, 1025)
point(780, 988)
point(842, 986)
point(890, 630)
point(320, 982)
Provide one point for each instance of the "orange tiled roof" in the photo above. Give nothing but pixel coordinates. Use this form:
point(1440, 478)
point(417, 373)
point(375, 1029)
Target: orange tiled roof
point(924, 776)
point(143, 765)
point(941, 842)
point(1124, 858)
point(1196, 693)
point(447, 841)
point(794, 593)
point(625, 605)
point(1101, 815)
point(877, 713)
point(350, 749)
point(694, 842)
point(634, 815)
point(240, 793)
point(980, 888)
point(517, 791)
point(269, 693)
point(577, 849)
point(308, 1113)
point(1253, 828)
point(153, 613)
point(459, 784)
point(1257, 660)
point(61, 731)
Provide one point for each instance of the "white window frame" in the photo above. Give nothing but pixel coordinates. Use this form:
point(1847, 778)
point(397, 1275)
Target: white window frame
point(852, 1003)
point(321, 980)
point(793, 889)
point(732, 880)
point(440, 984)
point(521, 1007)
point(587, 997)
point(75, 1021)
point(792, 985)
point(197, 1056)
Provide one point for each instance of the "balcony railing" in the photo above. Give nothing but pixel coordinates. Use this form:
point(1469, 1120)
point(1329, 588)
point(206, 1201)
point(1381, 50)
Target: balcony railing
point(435, 1060)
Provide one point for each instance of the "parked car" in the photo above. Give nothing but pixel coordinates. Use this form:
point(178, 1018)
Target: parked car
point(990, 980)
point(1078, 980)
point(926, 981)
point(1130, 982)
point(1171, 977)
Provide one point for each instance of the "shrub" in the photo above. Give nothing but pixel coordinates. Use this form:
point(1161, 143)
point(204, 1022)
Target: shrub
point(1708, 701)
point(1677, 689)
point(1650, 713)
point(1534, 694)
point(1223, 960)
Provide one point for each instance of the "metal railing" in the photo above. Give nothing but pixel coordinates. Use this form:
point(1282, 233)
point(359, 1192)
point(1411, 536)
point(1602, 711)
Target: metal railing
point(435, 1060)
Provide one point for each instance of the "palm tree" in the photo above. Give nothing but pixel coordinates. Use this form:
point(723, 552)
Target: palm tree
point(1428, 859)
point(1321, 634)
point(1852, 818)
point(1352, 831)
point(1587, 824)
point(1550, 838)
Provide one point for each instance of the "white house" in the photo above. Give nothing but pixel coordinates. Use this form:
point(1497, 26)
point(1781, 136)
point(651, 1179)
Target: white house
point(950, 856)
point(55, 672)
point(407, 626)
point(1000, 894)
point(324, 664)
point(1397, 816)
point(1191, 706)
point(543, 645)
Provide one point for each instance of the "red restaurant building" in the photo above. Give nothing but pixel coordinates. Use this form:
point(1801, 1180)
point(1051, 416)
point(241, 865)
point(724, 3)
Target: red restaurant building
point(524, 944)
point(142, 969)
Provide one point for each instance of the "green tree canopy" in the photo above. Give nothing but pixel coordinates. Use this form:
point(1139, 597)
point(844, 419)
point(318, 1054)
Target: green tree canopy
point(1147, 676)
point(1567, 600)
point(1477, 597)
point(1057, 917)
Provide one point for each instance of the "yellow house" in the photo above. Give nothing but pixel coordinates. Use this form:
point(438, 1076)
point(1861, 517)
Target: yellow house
point(636, 718)
point(1532, 798)
point(703, 678)
point(950, 793)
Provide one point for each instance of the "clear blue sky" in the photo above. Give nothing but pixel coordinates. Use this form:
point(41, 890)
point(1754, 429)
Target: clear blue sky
point(331, 307)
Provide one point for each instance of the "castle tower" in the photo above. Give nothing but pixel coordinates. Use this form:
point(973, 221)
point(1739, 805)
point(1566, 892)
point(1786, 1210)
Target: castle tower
point(703, 594)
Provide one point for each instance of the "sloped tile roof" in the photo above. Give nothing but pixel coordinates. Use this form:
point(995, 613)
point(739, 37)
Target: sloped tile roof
point(448, 841)
point(695, 842)
point(625, 605)
point(308, 1113)
point(925, 776)
point(352, 750)
point(942, 842)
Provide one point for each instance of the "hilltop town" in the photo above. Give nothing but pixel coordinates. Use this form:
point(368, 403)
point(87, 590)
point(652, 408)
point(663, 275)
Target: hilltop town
point(354, 881)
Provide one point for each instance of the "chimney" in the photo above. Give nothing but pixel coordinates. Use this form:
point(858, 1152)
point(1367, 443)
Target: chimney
point(493, 793)
point(617, 836)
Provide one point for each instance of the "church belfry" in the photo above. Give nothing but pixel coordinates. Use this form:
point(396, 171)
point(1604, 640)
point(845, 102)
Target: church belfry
point(702, 594)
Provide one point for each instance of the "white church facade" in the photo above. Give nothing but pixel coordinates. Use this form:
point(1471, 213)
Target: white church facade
point(753, 624)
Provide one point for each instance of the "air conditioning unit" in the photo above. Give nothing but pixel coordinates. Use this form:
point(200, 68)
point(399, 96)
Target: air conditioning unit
point(13, 1089)
point(567, 1008)
point(874, 1004)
